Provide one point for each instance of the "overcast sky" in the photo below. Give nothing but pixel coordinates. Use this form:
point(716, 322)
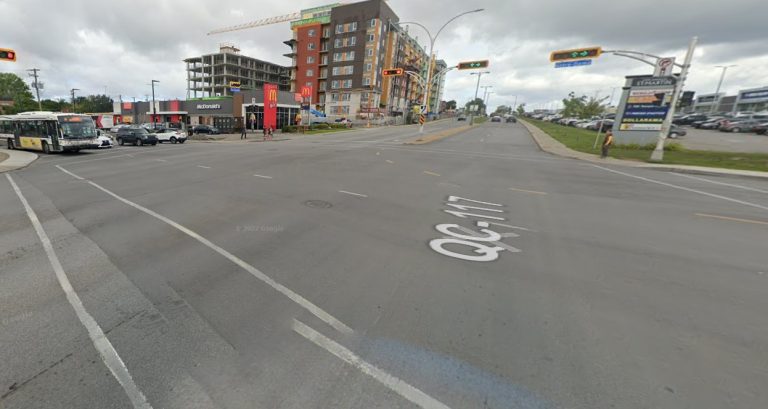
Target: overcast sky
point(122, 45)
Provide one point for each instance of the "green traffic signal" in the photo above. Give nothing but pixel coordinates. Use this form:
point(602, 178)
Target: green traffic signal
point(469, 65)
point(564, 55)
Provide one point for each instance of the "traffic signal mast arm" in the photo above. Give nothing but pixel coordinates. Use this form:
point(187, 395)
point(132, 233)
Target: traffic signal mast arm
point(636, 55)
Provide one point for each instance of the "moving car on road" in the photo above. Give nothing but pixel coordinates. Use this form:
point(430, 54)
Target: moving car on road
point(206, 129)
point(511, 119)
point(169, 135)
point(136, 135)
point(495, 119)
point(104, 141)
point(461, 118)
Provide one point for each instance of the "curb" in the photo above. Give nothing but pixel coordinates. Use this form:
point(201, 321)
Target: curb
point(550, 145)
point(434, 137)
point(16, 160)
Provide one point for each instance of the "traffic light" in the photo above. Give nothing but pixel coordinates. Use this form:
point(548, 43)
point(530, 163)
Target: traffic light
point(392, 71)
point(472, 65)
point(6, 54)
point(577, 54)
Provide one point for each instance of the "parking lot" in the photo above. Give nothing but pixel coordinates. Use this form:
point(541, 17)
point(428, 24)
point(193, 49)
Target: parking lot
point(714, 140)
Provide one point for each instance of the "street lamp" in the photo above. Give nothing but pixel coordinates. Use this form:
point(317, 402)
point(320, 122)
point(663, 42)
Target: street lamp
point(73, 99)
point(432, 39)
point(719, 84)
point(485, 97)
point(154, 108)
point(477, 88)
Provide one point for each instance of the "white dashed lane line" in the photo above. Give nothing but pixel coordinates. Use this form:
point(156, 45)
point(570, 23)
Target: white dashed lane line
point(352, 193)
point(204, 167)
point(263, 176)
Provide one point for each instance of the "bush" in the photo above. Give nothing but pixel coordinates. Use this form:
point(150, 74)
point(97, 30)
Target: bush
point(289, 129)
point(673, 147)
point(320, 126)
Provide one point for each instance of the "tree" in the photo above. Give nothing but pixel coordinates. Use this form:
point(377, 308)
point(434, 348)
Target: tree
point(478, 102)
point(450, 104)
point(13, 88)
point(582, 107)
point(521, 109)
point(94, 103)
point(502, 110)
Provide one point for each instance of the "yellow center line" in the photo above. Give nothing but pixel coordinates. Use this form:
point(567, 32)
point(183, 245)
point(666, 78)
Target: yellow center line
point(528, 191)
point(431, 173)
point(734, 219)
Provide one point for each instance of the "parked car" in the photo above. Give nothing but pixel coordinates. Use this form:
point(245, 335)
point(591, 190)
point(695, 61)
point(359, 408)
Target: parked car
point(206, 129)
point(461, 118)
point(761, 129)
point(676, 131)
point(495, 119)
point(688, 119)
point(697, 124)
point(104, 141)
point(116, 128)
point(740, 125)
point(511, 119)
point(714, 123)
point(170, 135)
point(342, 121)
point(603, 125)
point(136, 135)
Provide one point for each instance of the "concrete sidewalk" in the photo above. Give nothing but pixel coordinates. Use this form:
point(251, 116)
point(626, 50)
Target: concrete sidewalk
point(13, 159)
point(548, 144)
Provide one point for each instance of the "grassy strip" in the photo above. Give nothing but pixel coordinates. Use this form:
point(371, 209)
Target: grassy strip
point(479, 119)
point(315, 131)
point(582, 140)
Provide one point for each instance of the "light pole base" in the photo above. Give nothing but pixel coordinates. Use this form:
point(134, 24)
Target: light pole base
point(657, 155)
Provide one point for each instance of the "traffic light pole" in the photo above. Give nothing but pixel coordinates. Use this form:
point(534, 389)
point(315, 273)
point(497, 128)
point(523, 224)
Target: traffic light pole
point(658, 153)
point(477, 88)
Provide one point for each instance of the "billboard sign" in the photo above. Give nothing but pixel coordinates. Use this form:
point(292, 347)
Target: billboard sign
point(270, 106)
point(647, 104)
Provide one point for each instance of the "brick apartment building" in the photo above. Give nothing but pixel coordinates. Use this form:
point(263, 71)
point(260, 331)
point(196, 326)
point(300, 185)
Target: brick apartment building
point(341, 50)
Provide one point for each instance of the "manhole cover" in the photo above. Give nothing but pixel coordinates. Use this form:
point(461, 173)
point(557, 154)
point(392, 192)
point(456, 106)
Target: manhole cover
point(318, 204)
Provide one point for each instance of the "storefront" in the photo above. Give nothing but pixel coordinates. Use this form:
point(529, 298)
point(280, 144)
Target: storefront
point(254, 114)
point(752, 100)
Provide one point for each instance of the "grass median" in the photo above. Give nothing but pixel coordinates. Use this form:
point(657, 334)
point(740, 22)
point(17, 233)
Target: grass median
point(582, 140)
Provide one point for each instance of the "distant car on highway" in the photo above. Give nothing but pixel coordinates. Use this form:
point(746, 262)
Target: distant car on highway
point(737, 126)
point(206, 129)
point(170, 135)
point(495, 119)
point(511, 119)
point(136, 135)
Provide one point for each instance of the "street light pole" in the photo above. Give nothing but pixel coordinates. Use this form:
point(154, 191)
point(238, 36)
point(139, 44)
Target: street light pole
point(514, 106)
point(477, 88)
point(73, 99)
point(658, 152)
point(432, 39)
point(485, 97)
point(154, 108)
point(37, 87)
point(719, 84)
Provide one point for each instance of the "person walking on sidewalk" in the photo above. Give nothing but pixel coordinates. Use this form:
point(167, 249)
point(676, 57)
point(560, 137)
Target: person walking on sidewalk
point(607, 142)
point(242, 133)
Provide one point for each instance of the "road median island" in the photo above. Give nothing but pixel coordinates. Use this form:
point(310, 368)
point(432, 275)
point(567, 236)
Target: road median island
point(14, 159)
point(578, 143)
point(433, 137)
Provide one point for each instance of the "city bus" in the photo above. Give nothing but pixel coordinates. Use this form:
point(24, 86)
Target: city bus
point(48, 131)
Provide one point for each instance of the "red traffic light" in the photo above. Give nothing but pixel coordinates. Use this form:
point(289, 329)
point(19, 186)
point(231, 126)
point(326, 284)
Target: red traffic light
point(7, 54)
point(392, 71)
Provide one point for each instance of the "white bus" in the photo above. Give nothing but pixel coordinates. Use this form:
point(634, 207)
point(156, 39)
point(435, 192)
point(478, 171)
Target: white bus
point(48, 131)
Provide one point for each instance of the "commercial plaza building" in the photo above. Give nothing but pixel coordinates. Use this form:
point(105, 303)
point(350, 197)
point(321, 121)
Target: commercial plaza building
point(746, 100)
point(210, 75)
point(341, 50)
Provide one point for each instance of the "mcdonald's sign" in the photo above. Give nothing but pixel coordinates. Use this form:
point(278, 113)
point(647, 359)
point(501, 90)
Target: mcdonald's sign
point(270, 106)
point(306, 91)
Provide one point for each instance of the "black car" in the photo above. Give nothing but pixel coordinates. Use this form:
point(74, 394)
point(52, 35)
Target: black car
point(207, 129)
point(689, 119)
point(511, 119)
point(495, 119)
point(136, 135)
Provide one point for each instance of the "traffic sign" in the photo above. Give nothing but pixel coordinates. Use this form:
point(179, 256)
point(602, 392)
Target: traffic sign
point(575, 54)
point(421, 119)
point(234, 84)
point(577, 63)
point(472, 65)
point(664, 67)
point(6, 54)
point(392, 72)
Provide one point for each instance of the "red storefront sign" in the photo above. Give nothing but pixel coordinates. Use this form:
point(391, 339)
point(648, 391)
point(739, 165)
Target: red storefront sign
point(297, 97)
point(306, 91)
point(270, 106)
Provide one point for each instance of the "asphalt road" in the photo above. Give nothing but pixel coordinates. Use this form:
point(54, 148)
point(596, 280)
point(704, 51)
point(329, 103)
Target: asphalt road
point(714, 140)
point(325, 271)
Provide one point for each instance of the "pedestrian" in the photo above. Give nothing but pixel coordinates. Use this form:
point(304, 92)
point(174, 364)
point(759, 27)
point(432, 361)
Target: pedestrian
point(242, 133)
point(270, 133)
point(607, 142)
point(265, 130)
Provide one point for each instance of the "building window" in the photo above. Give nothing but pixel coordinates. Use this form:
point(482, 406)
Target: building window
point(353, 26)
point(311, 32)
point(339, 28)
point(370, 38)
point(352, 41)
point(346, 96)
point(334, 84)
point(336, 57)
point(337, 43)
point(323, 60)
point(350, 56)
point(368, 67)
point(310, 46)
point(310, 73)
point(334, 97)
point(335, 70)
point(309, 84)
point(372, 22)
point(327, 32)
point(310, 59)
point(369, 52)
point(366, 81)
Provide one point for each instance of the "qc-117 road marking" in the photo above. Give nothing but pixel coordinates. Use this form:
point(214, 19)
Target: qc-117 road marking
point(485, 243)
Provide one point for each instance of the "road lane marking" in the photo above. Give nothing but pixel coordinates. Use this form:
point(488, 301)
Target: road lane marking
point(352, 193)
point(426, 172)
point(721, 183)
point(161, 160)
point(293, 296)
point(449, 184)
point(93, 160)
point(735, 219)
point(685, 188)
point(528, 191)
point(397, 385)
point(204, 167)
point(263, 177)
point(378, 153)
point(511, 227)
point(100, 341)
point(389, 161)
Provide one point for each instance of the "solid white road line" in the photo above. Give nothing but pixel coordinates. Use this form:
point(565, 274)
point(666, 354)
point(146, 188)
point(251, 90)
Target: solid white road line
point(397, 385)
point(100, 341)
point(352, 193)
point(730, 199)
point(721, 183)
point(733, 219)
point(298, 299)
point(528, 191)
point(263, 177)
point(204, 167)
point(426, 172)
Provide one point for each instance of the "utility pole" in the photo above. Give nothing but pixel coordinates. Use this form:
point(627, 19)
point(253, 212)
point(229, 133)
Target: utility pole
point(73, 99)
point(37, 87)
point(514, 107)
point(477, 88)
point(154, 108)
point(716, 101)
point(485, 97)
point(658, 153)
